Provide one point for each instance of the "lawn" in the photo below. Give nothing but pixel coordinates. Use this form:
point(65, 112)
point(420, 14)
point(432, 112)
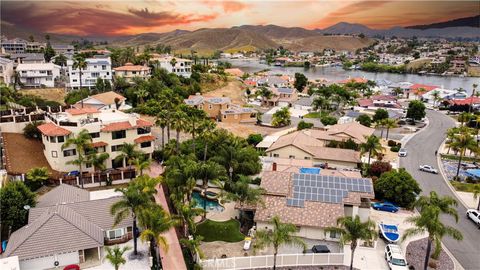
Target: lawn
point(466, 187)
point(313, 115)
point(228, 231)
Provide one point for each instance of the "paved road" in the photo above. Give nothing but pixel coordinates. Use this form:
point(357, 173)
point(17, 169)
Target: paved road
point(421, 150)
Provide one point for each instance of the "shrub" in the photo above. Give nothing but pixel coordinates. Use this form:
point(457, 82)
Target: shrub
point(158, 155)
point(397, 186)
point(31, 130)
point(304, 125)
point(391, 143)
point(395, 148)
point(365, 120)
point(377, 168)
point(254, 139)
point(257, 180)
point(328, 120)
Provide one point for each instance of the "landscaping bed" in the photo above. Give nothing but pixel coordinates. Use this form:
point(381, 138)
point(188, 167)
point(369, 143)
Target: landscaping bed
point(227, 231)
point(416, 251)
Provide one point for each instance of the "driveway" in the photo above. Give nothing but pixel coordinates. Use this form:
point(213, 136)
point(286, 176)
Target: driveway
point(421, 149)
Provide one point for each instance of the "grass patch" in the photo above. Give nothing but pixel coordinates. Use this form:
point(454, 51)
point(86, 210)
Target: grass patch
point(313, 115)
point(465, 187)
point(228, 231)
point(454, 157)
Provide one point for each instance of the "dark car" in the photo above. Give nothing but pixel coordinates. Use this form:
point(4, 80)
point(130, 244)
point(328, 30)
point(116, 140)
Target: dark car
point(385, 206)
point(320, 249)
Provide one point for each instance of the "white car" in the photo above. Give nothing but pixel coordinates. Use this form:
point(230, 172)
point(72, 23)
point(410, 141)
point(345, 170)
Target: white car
point(428, 168)
point(402, 152)
point(474, 215)
point(395, 258)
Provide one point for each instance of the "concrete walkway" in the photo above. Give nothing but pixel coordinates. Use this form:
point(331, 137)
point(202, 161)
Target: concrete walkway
point(173, 260)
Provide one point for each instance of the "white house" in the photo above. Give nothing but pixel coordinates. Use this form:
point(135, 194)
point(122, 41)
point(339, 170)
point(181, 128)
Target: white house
point(99, 66)
point(104, 101)
point(38, 75)
point(179, 66)
point(6, 71)
point(129, 71)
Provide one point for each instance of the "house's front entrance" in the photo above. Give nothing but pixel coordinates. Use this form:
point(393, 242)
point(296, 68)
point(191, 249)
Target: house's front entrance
point(89, 257)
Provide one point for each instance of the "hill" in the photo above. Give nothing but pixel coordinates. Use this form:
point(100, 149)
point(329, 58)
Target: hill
point(461, 22)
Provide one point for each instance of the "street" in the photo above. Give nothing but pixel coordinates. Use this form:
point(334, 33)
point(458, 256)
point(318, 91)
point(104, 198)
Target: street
point(421, 150)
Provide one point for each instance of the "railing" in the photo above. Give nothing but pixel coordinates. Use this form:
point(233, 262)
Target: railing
point(254, 262)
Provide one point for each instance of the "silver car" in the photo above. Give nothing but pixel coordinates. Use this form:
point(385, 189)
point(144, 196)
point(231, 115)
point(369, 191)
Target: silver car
point(402, 152)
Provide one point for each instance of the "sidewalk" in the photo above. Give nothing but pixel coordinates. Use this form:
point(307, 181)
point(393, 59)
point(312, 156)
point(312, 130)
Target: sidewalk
point(173, 260)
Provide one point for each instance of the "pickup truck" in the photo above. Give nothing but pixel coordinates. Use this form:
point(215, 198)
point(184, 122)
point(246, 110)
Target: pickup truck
point(428, 168)
point(474, 215)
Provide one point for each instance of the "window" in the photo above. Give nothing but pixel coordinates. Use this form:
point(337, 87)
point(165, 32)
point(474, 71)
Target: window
point(104, 67)
point(291, 157)
point(95, 74)
point(53, 139)
point(115, 234)
point(95, 135)
point(275, 155)
point(68, 153)
point(145, 144)
point(88, 165)
point(119, 134)
point(334, 235)
point(224, 116)
point(144, 130)
point(100, 149)
point(306, 157)
point(116, 148)
point(210, 106)
point(74, 80)
point(60, 139)
point(54, 154)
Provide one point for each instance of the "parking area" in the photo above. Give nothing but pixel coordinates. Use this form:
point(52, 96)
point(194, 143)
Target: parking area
point(334, 247)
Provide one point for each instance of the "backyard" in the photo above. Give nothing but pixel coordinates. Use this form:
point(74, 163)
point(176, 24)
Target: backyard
point(227, 231)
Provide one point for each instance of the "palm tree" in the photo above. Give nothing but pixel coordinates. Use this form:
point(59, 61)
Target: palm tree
point(265, 93)
point(115, 255)
point(389, 123)
point(244, 194)
point(380, 124)
point(281, 118)
point(372, 146)
point(351, 230)
point(179, 124)
point(98, 162)
point(82, 142)
point(128, 154)
point(435, 96)
point(462, 142)
point(38, 174)
point(80, 63)
point(142, 162)
point(162, 121)
point(155, 221)
point(193, 246)
point(476, 194)
point(428, 222)
point(451, 133)
point(281, 234)
point(173, 62)
point(319, 103)
point(208, 127)
point(420, 91)
point(209, 171)
point(397, 91)
point(188, 211)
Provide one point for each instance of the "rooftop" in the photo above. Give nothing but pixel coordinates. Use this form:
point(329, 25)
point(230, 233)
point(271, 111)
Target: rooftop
point(132, 67)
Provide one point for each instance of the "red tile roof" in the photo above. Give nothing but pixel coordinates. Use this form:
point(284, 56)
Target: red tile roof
point(117, 126)
point(146, 138)
point(414, 88)
point(99, 144)
point(365, 102)
point(143, 123)
point(131, 67)
point(465, 101)
point(50, 129)
point(79, 111)
point(357, 80)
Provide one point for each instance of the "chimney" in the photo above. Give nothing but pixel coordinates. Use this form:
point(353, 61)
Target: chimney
point(274, 166)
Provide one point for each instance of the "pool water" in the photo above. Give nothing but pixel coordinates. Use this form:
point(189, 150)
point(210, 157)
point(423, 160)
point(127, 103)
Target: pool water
point(212, 205)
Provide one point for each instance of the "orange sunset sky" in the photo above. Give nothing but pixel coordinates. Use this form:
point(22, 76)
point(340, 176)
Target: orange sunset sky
point(114, 18)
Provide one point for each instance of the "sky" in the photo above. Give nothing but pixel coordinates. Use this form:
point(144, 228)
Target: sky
point(117, 18)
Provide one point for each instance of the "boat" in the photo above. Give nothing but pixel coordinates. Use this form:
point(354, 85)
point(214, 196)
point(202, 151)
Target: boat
point(389, 232)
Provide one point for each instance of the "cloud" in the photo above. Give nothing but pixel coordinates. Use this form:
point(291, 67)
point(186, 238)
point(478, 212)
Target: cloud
point(227, 6)
point(89, 21)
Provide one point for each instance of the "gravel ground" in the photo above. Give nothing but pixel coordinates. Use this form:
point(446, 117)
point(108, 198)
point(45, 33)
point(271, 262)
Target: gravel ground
point(416, 256)
point(323, 267)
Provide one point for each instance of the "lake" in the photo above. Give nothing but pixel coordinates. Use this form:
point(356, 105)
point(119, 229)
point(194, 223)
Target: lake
point(337, 74)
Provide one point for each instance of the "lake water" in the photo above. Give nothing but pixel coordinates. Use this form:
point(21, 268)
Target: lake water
point(337, 74)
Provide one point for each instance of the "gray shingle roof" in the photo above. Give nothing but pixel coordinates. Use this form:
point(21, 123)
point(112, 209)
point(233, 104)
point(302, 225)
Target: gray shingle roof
point(58, 229)
point(63, 194)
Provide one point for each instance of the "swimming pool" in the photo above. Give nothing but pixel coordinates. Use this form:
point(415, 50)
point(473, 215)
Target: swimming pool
point(211, 205)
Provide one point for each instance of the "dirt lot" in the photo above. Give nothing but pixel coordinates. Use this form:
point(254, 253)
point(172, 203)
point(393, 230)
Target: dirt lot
point(243, 130)
point(234, 90)
point(55, 94)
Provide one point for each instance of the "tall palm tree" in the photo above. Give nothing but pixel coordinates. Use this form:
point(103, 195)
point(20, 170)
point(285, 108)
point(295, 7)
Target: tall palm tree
point(115, 255)
point(380, 124)
point(429, 222)
point(351, 230)
point(244, 194)
point(188, 211)
point(162, 121)
point(81, 64)
point(141, 163)
point(173, 62)
point(389, 123)
point(98, 162)
point(372, 146)
point(193, 246)
point(155, 221)
point(209, 171)
point(208, 127)
point(476, 194)
point(463, 142)
point(435, 96)
point(281, 234)
point(179, 124)
point(82, 142)
point(128, 154)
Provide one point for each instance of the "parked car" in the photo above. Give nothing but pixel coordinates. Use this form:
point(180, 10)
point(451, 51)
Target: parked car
point(428, 168)
point(385, 206)
point(395, 258)
point(320, 249)
point(402, 152)
point(474, 215)
point(72, 267)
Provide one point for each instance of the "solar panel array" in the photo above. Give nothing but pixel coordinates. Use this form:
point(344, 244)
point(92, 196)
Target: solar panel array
point(325, 188)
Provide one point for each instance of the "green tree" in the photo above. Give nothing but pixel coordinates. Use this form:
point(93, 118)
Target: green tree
point(476, 194)
point(379, 115)
point(115, 255)
point(365, 120)
point(429, 222)
point(328, 120)
point(397, 186)
point(14, 196)
point(82, 143)
point(79, 63)
point(128, 154)
point(372, 146)
point(462, 142)
point(209, 171)
point(265, 93)
point(98, 162)
point(242, 193)
point(281, 118)
point(60, 60)
point(141, 163)
point(193, 245)
point(352, 230)
point(100, 85)
point(179, 124)
point(389, 123)
point(48, 52)
point(254, 139)
point(31, 130)
point(281, 234)
point(304, 125)
point(300, 81)
point(436, 97)
point(416, 110)
point(36, 177)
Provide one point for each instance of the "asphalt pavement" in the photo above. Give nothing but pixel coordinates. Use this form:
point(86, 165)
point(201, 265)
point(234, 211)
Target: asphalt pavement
point(421, 150)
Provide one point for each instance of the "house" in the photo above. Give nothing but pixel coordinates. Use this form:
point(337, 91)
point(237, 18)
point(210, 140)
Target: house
point(429, 96)
point(312, 202)
point(382, 101)
point(67, 228)
point(108, 128)
point(304, 103)
point(65, 49)
point(6, 71)
point(222, 109)
point(104, 101)
point(130, 71)
point(16, 45)
point(417, 90)
point(178, 66)
point(470, 101)
point(353, 80)
point(28, 58)
point(34, 46)
point(38, 75)
point(274, 81)
point(99, 66)
point(301, 165)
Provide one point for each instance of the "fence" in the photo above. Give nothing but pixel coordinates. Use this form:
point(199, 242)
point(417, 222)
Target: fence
point(254, 262)
point(28, 114)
